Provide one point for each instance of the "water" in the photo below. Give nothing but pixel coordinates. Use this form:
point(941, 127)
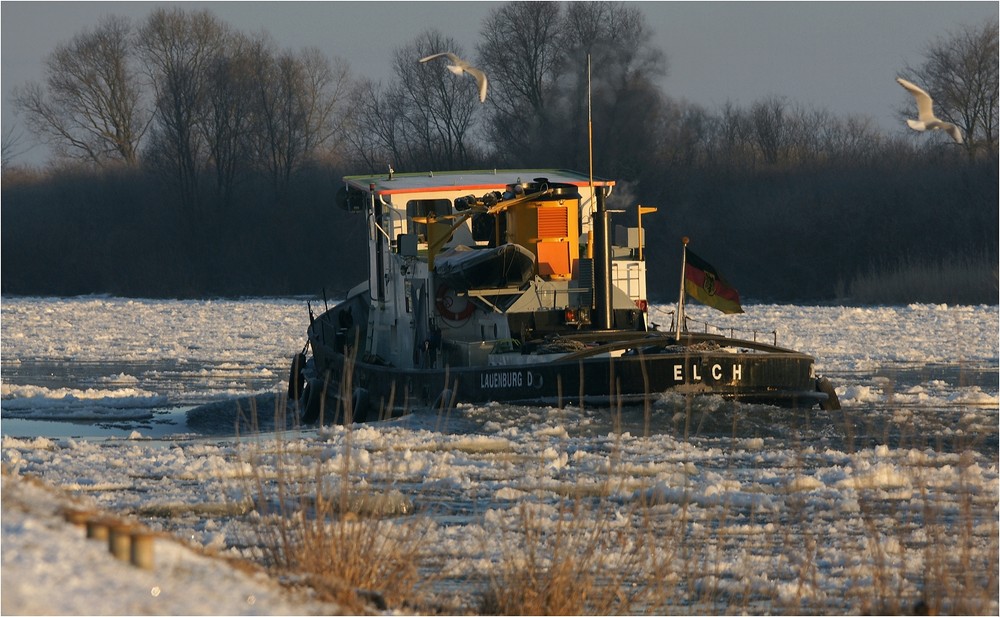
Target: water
point(186, 385)
point(202, 404)
point(165, 424)
point(757, 484)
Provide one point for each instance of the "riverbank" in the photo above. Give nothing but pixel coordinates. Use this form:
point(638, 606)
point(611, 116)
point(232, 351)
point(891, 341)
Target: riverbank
point(50, 567)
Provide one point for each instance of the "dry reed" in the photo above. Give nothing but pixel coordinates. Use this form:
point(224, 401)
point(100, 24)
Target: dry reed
point(594, 553)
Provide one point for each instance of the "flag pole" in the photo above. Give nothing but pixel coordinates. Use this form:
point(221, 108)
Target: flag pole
point(680, 296)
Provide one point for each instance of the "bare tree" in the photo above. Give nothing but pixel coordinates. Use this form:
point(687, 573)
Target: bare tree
point(90, 106)
point(179, 49)
point(685, 135)
point(729, 144)
point(327, 93)
point(520, 53)
point(12, 146)
point(537, 55)
point(854, 139)
point(227, 115)
point(378, 133)
point(300, 102)
point(961, 73)
point(770, 124)
point(440, 107)
point(423, 119)
point(627, 103)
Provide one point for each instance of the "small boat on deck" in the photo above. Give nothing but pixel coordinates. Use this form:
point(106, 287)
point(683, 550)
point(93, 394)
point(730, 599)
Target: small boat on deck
point(507, 286)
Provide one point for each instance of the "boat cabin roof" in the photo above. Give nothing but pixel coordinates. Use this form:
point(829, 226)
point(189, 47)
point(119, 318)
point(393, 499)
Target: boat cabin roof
point(473, 181)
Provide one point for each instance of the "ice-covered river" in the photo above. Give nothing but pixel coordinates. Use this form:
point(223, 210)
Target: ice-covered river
point(886, 501)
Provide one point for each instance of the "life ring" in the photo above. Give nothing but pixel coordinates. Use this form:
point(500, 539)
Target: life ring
point(445, 301)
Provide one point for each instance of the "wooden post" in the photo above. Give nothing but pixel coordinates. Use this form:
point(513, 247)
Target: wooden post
point(120, 541)
point(76, 517)
point(142, 549)
point(97, 529)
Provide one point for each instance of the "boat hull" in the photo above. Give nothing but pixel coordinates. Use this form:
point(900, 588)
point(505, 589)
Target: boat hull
point(374, 391)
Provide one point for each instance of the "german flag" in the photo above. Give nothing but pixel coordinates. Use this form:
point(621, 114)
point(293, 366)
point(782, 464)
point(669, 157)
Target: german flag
point(704, 283)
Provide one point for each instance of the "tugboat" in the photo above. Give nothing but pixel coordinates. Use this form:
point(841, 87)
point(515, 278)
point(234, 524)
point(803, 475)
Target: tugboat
point(508, 286)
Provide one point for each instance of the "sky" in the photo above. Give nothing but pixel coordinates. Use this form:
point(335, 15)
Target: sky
point(839, 56)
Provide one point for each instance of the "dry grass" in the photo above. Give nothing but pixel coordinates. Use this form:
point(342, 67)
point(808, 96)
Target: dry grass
point(929, 557)
point(345, 542)
point(351, 560)
point(566, 564)
point(954, 280)
point(916, 554)
point(590, 552)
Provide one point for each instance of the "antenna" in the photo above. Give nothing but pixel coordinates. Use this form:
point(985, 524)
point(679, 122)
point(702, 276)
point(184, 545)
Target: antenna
point(590, 153)
point(590, 131)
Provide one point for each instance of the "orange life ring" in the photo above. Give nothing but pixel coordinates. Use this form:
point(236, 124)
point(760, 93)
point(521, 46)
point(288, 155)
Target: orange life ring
point(444, 302)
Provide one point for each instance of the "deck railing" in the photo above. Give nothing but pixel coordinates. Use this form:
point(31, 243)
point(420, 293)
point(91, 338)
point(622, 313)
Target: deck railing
point(754, 333)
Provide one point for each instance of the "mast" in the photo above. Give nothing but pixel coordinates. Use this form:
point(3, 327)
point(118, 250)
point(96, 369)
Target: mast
point(681, 294)
point(590, 131)
point(590, 155)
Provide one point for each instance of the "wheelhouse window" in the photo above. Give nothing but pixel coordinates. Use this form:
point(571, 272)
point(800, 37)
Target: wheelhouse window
point(426, 208)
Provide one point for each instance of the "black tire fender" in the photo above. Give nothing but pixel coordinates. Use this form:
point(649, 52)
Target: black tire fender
point(313, 397)
point(296, 379)
point(443, 401)
point(832, 402)
point(359, 406)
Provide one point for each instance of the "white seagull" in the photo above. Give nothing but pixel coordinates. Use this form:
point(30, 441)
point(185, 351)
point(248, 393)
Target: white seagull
point(459, 66)
point(925, 113)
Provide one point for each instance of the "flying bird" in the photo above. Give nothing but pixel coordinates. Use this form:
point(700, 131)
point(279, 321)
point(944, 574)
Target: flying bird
point(925, 113)
point(459, 66)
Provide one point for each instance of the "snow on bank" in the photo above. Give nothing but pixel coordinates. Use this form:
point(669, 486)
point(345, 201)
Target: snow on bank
point(50, 567)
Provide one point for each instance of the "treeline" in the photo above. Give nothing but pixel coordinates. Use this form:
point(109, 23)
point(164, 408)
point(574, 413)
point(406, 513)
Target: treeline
point(849, 232)
point(196, 160)
point(114, 232)
point(184, 95)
